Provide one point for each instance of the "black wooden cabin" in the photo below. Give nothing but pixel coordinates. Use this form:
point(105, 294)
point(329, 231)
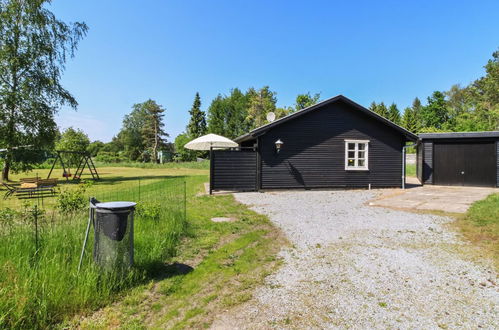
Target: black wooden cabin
point(336, 143)
point(459, 159)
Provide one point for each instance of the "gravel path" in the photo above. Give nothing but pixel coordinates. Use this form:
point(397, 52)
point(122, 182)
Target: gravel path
point(353, 265)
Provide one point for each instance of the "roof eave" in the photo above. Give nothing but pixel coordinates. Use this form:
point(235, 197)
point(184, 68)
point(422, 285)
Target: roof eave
point(262, 129)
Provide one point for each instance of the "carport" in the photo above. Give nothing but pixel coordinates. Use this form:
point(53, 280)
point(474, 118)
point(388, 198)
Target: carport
point(459, 159)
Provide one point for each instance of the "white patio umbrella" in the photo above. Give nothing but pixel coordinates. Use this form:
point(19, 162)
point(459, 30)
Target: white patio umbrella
point(207, 141)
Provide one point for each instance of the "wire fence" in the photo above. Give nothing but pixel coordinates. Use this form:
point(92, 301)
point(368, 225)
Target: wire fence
point(40, 246)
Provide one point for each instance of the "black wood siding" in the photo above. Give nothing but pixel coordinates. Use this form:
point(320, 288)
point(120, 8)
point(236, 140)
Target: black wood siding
point(419, 162)
point(233, 170)
point(497, 155)
point(313, 154)
point(428, 162)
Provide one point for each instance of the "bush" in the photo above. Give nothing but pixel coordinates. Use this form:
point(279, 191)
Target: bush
point(72, 200)
point(149, 210)
point(110, 157)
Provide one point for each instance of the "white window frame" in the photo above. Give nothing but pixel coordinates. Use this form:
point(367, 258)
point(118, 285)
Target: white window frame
point(356, 167)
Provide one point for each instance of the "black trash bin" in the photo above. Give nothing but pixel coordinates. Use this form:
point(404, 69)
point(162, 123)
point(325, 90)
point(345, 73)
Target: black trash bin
point(113, 233)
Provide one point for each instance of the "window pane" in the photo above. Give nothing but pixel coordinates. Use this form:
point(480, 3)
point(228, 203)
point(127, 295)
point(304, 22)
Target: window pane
point(361, 154)
point(362, 146)
point(351, 154)
point(351, 162)
point(362, 162)
point(351, 146)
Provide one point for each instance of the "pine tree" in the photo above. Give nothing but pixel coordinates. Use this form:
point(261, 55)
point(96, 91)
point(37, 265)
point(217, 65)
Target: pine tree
point(373, 107)
point(417, 113)
point(382, 110)
point(197, 123)
point(410, 121)
point(435, 113)
point(153, 131)
point(394, 114)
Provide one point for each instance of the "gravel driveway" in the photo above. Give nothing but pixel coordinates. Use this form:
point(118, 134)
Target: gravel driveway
point(353, 265)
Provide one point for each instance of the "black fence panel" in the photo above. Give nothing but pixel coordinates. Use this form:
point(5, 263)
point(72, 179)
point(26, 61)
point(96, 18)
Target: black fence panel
point(234, 170)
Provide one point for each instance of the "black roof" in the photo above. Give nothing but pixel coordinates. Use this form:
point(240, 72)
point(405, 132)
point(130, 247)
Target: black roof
point(459, 135)
point(262, 129)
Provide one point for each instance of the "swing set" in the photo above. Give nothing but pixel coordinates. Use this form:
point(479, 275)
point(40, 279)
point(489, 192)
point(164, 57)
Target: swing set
point(84, 161)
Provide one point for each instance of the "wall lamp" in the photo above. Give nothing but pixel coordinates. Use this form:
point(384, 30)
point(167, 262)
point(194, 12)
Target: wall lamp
point(278, 145)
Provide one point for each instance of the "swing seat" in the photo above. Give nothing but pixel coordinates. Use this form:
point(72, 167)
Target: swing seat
point(66, 175)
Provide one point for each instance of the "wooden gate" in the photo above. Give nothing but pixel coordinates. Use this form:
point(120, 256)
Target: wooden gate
point(234, 170)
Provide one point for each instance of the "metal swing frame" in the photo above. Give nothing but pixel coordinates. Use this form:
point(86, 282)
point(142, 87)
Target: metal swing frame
point(85, 161)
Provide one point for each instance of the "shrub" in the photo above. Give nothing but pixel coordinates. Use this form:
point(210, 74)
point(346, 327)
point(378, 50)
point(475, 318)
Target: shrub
point(72, 200)
point(149, 210)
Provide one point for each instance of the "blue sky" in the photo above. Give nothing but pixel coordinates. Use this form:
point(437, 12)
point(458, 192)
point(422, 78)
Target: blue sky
point(389, 51)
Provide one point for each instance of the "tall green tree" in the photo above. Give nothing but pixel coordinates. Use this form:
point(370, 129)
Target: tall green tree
point(153, 131)
point(216, 116)
point(227, 114)
point(94, 147)
point(484, 94)
point(131, 134)
point(435, 113)
point(306, 100)
point(410, 120)
point(34, 47)
point(261, 102)
point(380, 109)
point(236, 111)
point(197, 123)
point(393, 114)
point(72, 140)
point(181, 152)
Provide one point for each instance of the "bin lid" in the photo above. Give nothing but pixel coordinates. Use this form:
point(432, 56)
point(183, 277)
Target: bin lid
point(115, 205)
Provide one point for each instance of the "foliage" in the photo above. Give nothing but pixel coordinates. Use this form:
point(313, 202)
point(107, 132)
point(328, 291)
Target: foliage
point(182, 153)
point(227, 114)
point(153, 134)
point(380, 109)
point(394, 114)
point(306, 100)
point(42, 287)
point(197, 123)
point(130, 135)
point(72, 200)
point(460, 109)
point(94, 148)
point(261, 102)
point(435, 113)
point(34, 46)
point(150, 210)
point(110, 157)
point(72, 140)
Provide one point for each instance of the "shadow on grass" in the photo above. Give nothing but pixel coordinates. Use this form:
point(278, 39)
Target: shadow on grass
point(158, 270)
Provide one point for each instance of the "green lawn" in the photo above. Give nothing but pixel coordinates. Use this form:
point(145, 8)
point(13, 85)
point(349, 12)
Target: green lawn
point(410, 170)
point(481, 225)
point(42, 288)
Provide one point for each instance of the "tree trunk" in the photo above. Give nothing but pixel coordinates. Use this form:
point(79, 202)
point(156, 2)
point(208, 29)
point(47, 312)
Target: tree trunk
point(155, 147)
point(6, 169)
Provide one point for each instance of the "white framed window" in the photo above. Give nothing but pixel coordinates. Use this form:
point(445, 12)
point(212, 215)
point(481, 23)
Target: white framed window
point(356, 155)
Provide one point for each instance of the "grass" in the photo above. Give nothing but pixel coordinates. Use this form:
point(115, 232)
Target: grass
point(228, 261)
point(186, 271)
point(410, 169)
point(40, 285)
point(481, 226)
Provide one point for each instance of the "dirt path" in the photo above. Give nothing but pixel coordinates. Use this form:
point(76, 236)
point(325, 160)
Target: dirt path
point(365, 267)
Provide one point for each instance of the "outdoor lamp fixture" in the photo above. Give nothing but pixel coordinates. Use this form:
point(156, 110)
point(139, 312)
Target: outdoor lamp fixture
point(278, 145)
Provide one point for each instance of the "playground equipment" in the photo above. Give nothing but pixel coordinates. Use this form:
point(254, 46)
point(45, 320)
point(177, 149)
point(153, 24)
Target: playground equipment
point(84, 161)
